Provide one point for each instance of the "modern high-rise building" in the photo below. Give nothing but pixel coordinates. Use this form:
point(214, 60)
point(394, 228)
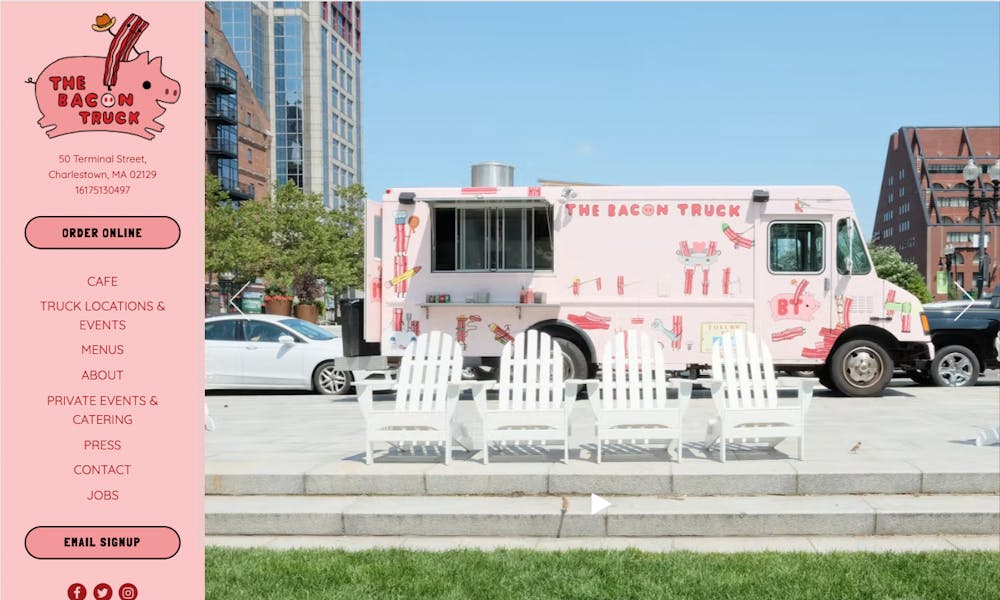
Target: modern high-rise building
point(923, 209)
point(303, 60)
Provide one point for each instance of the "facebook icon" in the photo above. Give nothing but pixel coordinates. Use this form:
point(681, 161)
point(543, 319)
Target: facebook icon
point(76, 592)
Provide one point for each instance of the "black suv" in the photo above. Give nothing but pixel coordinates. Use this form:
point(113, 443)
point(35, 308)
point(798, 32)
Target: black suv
point(965, 337)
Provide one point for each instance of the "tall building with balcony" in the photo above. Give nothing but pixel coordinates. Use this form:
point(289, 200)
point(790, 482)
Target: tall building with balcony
point(923, 209)
point(237, 136)
point(303, 61)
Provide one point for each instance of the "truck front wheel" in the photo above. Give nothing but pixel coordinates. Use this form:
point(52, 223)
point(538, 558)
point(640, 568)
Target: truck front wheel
point(955, 366)
point(861, 368)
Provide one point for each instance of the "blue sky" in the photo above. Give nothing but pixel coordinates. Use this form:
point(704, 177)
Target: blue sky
point(668, 93)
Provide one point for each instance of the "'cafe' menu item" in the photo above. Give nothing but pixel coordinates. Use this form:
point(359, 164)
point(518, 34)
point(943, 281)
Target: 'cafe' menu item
point(102, 259)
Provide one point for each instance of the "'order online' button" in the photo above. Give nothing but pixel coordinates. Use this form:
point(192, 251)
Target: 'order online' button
point(102, 233)
point(156, 542)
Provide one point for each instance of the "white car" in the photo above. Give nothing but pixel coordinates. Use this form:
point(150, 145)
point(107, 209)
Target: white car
point(256, 351)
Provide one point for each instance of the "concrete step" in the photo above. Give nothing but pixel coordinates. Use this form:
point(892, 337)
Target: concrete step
point(774, 543)
point(628, 516)
point(635, 478)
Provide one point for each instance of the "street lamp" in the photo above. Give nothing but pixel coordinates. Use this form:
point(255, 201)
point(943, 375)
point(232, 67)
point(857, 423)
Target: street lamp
point(226, 287)
point(987, 207)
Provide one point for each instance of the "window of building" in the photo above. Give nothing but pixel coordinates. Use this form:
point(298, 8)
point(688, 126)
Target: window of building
point(960, 237)
point(249, 155)
point(947, 220)
point(902, 191)
point(904, 226)
point(508, 238)
point(891, 181)
point(795, 247)
point(890, 197)
point(953, 202)
point(249, 119)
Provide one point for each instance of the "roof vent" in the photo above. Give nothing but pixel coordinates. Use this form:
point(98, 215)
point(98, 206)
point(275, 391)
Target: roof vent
point(492, 174)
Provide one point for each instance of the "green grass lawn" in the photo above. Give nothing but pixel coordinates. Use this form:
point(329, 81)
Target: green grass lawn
point(606, 575)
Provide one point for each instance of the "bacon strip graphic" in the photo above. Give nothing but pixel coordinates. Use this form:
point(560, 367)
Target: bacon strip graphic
point(787, 334)
point(590, 321)
point(738, 240)
point(121, 46)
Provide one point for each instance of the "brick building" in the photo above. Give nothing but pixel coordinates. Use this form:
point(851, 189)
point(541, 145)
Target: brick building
point(923, 202)
point(237, 129)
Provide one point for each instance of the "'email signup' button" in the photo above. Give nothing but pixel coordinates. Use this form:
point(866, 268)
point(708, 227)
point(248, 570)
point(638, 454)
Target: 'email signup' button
point(148, 542)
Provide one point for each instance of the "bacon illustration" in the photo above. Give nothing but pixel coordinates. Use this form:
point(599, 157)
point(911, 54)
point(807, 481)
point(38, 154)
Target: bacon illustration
point(787, 334)
point(122, 46)
point(738, 240)
point(590, 321)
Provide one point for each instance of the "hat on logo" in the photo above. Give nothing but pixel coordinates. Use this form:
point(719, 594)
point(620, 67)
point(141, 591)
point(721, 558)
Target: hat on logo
point(103, 22)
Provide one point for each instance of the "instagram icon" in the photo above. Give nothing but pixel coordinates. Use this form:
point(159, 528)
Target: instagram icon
point(128, 591)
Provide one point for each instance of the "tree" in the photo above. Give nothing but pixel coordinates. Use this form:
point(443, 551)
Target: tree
point(351, 218)
point(290, 238)
point(303, 240)
point(890, 266)
point(232, 234)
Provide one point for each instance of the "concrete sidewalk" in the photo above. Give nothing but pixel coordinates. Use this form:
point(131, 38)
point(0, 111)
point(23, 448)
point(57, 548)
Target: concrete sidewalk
point(283, 466)
point(910, 441)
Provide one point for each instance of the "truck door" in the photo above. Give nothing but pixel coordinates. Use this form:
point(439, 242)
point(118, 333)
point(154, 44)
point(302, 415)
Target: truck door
point(852, 264)
point(794, 267)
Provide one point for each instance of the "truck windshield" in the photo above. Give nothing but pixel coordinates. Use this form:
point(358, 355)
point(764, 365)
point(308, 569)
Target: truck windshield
point(849, 244)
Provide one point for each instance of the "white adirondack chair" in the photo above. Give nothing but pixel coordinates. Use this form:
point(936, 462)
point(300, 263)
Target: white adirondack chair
point(427, 387)
point(534, 402)
point(633, 405)
point(745, 393)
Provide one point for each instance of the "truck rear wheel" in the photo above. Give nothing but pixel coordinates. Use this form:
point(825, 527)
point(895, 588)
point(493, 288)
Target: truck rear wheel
point(861, 368)
point(574, 363)
point(954, 366)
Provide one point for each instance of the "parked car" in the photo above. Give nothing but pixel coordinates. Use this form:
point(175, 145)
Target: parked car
point(966, 339)
point(255, 351)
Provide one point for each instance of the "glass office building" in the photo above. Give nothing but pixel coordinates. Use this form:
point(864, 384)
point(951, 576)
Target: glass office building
point(305, 60)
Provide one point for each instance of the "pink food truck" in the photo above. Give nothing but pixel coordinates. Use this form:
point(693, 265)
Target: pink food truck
point(685, 264)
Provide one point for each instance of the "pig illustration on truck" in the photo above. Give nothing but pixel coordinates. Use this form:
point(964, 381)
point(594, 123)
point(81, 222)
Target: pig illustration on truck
point(690, 263)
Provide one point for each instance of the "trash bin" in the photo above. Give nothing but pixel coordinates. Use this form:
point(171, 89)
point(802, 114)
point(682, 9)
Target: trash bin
point(352, 328)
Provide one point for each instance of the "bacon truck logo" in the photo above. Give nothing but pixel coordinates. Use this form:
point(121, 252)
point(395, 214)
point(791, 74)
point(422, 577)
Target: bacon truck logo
point(118, 92)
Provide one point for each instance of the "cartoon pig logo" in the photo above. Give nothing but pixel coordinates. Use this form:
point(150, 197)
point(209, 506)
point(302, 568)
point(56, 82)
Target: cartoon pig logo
point(106, 93)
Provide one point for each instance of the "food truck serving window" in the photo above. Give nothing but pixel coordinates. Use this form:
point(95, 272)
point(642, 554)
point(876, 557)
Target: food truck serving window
point(795, 247)
point(492, 238)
